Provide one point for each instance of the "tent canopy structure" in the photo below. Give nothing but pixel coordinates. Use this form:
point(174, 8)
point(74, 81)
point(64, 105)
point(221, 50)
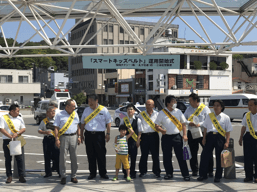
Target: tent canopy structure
point(42, 14)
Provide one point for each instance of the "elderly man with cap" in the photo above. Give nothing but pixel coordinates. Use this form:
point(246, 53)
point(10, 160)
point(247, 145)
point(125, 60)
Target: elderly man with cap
point(51, 151)
point(67, 137)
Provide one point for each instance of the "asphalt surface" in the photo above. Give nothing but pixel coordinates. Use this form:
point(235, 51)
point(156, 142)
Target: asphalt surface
point(34, 159)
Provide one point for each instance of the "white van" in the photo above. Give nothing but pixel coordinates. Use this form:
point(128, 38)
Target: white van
point(236, 105)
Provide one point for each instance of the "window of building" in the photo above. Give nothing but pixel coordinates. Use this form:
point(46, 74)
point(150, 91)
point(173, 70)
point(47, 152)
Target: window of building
point(111, 28)
point(23, 79)
point(126, 42)
point(218, 60)
point(150, 77)
point(121, 30)
point(175, 34)
point(142, 31)
point(100, 70)
point(121, 42)
point(133, 28)
point(5, 78)
point(110, 41)
point(111, 70)
point(202, 59)
point(131, 42)
point(150, 86)
point(105, 41)
point(106, 28)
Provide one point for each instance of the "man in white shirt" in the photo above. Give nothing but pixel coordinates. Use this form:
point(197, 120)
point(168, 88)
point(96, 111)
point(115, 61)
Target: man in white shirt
point(171, 136)
point(250, 142)
point(150, 141)
point(8, 135)
point(95, 137)
point(194, 101)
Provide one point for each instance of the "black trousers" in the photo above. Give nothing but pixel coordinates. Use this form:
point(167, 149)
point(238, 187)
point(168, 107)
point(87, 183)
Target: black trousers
point(150, 142)
point(51, 152)
point(96, 152)
point(250, 155)
point(169, 142)
point(8, 160)
point(132, 151)
point(216, 141)
point(194, 147)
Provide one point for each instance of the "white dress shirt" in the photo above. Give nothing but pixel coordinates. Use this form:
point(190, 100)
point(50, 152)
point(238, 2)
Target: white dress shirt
point(131, 120)
point(202, 116)
point(98, 123)
point(165, 121)
point(17, 122)
point(62, 117)
point(253, 120)
point(224, 121)
point(145, 127)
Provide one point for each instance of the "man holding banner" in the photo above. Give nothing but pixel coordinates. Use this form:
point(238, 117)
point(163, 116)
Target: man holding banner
point(173, 121)
point(67, 137)
point(249, 138)
point(201, 112)
point(150, 141)
point(51, 151)
point(12, 126)
point(131, 122)
point(95, 120)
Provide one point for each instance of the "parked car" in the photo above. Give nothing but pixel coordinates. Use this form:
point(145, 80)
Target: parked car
point(122, 112)
point(124, 104)
point(182, 106)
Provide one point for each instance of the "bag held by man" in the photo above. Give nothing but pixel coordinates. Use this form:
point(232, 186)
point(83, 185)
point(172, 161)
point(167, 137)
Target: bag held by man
point(15, 147)
point(186, 151)
point(226, 159)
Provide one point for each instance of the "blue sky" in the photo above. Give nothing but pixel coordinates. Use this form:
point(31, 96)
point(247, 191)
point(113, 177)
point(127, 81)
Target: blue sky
point(184, 31)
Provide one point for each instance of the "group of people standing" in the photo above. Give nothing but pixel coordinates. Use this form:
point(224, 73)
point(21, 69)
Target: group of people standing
point(64, 131)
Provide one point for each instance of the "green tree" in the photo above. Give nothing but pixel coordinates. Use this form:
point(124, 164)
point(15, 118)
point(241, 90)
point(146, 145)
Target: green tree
point(237, 57)
point(198, 64)
point(224, 65)
point(213, 65)
point(80, 98)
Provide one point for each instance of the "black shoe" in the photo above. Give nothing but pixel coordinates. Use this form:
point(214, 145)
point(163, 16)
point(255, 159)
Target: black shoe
point(133, 176)
point(168, 176)
point(74, 180)
point(157, 175)
point(187, 178)
point(63, 181)
point(142, 175)
point(48, 175)
point(210, 174)
point(247, 179)
point(201, 178)
point(22, 179)
point(216, 180)
point(90, 177)
point(8, 180)
point(105, 177)
point(194, 174)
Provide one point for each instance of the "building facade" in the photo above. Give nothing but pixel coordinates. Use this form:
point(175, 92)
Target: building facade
point(17, 86)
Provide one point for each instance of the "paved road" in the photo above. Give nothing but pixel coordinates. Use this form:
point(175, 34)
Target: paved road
point(34, 151)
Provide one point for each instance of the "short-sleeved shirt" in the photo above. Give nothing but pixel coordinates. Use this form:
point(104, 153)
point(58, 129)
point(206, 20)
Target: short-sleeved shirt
point(224, 121)
point(164, 120)
point(17, 122)
point(145, 127)
point(42, 126)
point(204, 113)
point(98, 123)
point(62, 117)
point(253, 120)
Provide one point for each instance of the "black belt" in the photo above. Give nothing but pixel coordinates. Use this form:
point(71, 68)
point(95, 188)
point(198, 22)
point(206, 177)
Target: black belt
point(212, 132)
point(94, 132)
point(150, 133)
point(69, 134)
point(49, 136)
point(171, 134)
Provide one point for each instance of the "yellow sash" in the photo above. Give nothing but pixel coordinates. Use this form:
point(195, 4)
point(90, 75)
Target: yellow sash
point(216, 124)
point(148, 120)
point(250, 125)
point(93, 114)
point(47, 121)
point(127, 123)
point(173, 119)
point(10, 123)
point(67, 124)
point(197, 112)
